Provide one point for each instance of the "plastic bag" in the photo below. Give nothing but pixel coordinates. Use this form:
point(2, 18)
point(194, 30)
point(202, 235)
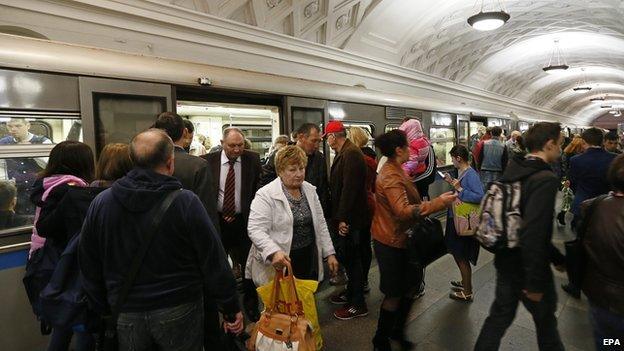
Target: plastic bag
point(305, 290)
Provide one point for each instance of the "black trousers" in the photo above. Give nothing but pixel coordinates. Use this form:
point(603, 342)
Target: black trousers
point(509, 285)
point(353, 262)
point(236, 243)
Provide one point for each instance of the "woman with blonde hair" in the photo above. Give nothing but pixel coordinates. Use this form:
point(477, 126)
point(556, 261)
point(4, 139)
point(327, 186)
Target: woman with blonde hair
point(286, 224)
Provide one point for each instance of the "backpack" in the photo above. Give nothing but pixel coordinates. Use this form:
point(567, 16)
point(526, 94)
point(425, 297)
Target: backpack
point(63, 300)
point(500, 217)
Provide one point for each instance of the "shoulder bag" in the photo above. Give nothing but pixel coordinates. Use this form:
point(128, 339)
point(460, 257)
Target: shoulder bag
point(107, 340)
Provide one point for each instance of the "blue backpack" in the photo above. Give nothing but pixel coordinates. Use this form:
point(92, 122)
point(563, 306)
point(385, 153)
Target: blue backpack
point(63, 301)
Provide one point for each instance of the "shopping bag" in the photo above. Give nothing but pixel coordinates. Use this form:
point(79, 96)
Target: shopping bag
point(304, 292)
point(465, 217)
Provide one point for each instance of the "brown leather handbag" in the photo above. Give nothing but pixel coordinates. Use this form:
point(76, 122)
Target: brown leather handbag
point(283, 326)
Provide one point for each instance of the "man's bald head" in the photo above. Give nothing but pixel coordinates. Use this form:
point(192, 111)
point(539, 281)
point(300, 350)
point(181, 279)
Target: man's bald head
point(151, 149)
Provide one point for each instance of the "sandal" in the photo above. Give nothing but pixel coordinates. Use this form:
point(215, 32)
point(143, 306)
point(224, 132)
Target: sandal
point(460, 296)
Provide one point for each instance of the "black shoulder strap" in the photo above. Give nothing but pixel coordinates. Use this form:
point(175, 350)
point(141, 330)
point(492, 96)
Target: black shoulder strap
point(138, 259)
point(584, 225)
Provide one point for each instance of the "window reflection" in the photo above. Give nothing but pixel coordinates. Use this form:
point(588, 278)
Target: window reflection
point(443, 140)
point(17, 176)
point(21, 131)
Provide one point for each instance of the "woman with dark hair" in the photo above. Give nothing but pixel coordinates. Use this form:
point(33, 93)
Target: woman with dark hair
point(114, 163)
point(398, 208)
point(70, 165)
point(465, 249)
point(604, 243)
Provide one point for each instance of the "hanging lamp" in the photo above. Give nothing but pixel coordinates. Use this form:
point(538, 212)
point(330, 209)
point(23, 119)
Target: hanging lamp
point(489, 20)
point(557, 62)
point(582, 85)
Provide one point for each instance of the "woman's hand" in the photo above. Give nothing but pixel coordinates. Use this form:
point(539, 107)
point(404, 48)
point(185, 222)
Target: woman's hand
point(455, 183)
point(343, 229)
point(448, 198)
point(235, 327)
point(279, 259)
point(333, 265)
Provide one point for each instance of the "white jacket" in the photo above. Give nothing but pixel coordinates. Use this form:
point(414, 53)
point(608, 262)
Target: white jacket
point(270, 229)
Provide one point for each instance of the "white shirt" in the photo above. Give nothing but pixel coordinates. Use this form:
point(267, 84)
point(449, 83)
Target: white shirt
point(225, 167)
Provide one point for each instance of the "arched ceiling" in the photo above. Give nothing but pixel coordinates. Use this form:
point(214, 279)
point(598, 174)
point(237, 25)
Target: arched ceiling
point(433, 37)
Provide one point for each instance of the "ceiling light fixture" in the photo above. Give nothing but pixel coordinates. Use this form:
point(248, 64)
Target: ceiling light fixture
point(557, 62)
point(613, 112)
point(600, 98)
point(582, 85)
point(489, 20)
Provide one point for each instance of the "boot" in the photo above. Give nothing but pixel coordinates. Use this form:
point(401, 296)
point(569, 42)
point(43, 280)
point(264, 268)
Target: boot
point(381, 341)
point(398, 331)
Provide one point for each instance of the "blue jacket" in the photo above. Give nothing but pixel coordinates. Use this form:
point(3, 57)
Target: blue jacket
point(185, 256)
point(588, 175)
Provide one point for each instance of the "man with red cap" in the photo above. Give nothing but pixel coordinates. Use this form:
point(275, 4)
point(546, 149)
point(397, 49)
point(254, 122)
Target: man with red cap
point(349, 217)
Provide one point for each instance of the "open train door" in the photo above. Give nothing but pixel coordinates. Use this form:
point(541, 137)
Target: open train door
point(113, 111)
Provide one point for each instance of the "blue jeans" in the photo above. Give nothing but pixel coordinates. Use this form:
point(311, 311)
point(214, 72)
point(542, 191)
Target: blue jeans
point(607, 325)
point(489, 176)
point(61, 339)
point(179, 328)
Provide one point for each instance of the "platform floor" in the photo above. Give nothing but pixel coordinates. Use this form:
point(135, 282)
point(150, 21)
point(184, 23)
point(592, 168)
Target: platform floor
point(438, 323)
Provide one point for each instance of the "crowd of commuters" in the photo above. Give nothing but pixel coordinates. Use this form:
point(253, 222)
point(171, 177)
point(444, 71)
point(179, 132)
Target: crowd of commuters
point(156, 225)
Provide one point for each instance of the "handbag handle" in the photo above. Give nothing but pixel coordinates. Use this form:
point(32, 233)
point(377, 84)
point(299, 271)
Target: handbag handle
point(285, 274)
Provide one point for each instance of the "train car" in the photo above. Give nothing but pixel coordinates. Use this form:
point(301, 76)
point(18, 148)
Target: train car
point(67, 92)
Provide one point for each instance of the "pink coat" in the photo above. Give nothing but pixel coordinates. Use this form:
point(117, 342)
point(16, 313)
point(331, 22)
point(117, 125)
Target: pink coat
point(419, 147)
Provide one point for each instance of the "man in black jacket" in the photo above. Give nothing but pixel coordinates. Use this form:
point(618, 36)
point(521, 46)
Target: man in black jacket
point(524, 274)
point(349, 217)
point(308, 137)
point(164, 305)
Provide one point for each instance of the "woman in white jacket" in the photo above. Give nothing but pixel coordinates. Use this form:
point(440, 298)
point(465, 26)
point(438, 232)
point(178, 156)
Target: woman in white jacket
point(286, 223)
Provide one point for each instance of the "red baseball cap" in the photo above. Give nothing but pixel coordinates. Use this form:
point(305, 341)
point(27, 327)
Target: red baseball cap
point(333, 127)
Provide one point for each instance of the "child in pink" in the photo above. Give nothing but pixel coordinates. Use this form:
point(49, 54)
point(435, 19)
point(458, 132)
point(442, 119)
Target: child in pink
point(419, 147)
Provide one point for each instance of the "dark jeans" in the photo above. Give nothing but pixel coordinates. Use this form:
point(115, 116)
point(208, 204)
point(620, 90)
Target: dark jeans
point(607, 325)
point(179, 328)
point(509, 285)
point(353, 262)
point(367, 252)
point(61, 338)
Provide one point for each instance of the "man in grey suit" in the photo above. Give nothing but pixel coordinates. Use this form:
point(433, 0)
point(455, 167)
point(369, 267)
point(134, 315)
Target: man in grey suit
point(193, 172)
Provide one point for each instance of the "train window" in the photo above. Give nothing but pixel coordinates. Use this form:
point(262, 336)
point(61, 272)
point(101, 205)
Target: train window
point(441, 119)
point(495, 122)
point(259, 123)
point(17, 176)
point(523, 126)
point(118, 118)
point(301, 115)
point(368, 128)
point(463, 131)
point(17, 130)
point(391, 126)
point(443, 140)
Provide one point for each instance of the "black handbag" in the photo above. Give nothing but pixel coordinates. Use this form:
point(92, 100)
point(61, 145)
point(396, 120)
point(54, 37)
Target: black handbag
point(425, 242)
point(575, 252)
point(107, 338)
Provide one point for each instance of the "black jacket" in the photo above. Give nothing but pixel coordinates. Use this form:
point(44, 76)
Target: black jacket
point(316, 174)
point(348, 188)
point(185, 254)
point(195, 175)
point(63, 212)
point(538, 191)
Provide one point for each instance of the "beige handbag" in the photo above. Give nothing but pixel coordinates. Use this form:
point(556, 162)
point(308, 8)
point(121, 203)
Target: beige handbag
point(283, 326)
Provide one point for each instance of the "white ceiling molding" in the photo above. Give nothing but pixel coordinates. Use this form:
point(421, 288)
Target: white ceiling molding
point(185, 31)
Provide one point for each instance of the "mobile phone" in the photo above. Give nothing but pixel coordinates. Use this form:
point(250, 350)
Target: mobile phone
point(443, 175)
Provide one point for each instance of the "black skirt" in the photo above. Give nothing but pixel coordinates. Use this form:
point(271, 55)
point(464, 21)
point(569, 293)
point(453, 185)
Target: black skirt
point(304, 262)
point(394, 272)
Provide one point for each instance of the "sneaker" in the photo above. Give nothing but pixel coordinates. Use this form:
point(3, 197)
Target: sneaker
point(339, 299)
point(349, 312)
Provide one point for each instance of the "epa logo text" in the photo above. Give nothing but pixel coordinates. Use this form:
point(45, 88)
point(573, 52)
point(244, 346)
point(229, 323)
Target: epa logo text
point(611, 342)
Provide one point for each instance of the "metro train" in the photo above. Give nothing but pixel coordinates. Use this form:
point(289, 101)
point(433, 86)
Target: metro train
point(68, 92)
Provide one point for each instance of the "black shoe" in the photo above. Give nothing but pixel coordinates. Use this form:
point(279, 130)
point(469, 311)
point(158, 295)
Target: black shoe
point(571, 290)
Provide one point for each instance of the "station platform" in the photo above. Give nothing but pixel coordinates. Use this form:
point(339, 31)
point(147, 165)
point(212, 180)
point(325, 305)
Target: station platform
point(437, 323)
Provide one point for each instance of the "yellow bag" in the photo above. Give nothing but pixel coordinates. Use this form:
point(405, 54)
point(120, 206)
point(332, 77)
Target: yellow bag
point(305, 291)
